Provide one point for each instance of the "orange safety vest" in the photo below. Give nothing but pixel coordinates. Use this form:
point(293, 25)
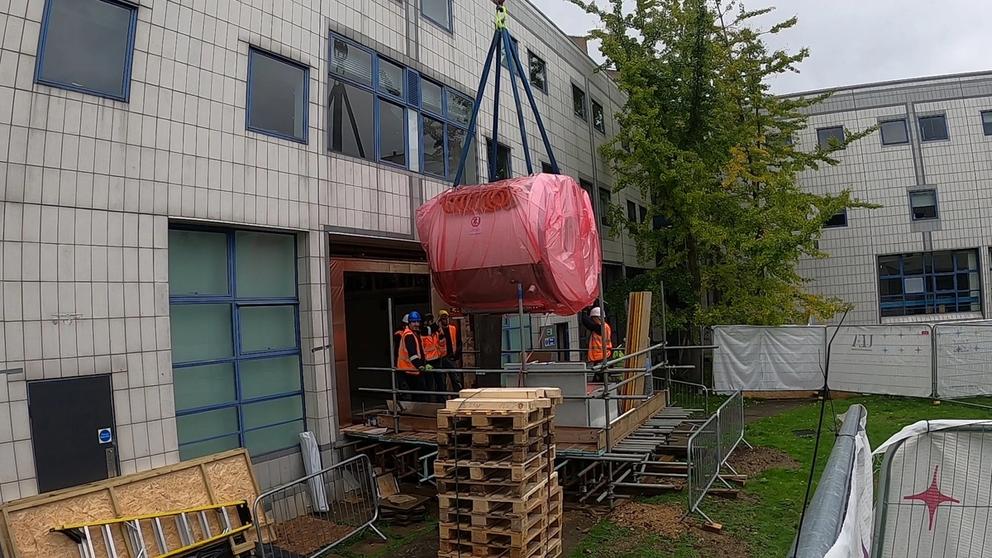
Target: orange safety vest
point(596, 351)
point(453, 336)
point(431, 345)
point(403, 361)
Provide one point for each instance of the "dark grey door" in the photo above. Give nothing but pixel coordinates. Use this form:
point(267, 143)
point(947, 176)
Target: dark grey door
point(72, 423)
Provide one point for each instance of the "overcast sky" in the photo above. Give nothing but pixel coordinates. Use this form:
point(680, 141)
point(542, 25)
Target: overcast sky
point(858, 41)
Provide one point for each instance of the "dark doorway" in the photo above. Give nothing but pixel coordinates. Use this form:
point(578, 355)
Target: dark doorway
point(72, 429)
point(368, 329)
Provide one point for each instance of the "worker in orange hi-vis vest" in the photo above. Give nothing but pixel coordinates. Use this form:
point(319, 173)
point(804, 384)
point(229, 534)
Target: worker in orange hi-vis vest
point(430, 339)
point(410, 357)
point(600, 338)
point(450, 344)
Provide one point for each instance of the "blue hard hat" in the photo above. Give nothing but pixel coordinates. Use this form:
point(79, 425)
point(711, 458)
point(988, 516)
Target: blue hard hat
point(414, 316)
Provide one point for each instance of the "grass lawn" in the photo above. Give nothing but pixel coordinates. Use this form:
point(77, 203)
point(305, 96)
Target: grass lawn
point(765, 516)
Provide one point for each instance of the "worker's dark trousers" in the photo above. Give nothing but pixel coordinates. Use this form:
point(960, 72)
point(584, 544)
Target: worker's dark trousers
point(457, 382)
point(436, 382)
point(409, 382)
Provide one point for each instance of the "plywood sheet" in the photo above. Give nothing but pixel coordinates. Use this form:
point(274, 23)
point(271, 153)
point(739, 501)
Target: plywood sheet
point(638, 339)
point(25, 525)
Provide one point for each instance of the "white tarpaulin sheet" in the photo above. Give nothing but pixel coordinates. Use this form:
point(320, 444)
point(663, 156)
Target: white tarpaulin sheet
point(884, 359)
point(935, 491)
point(311, 465)
point(854, 539)
point(964, 359)
point(757, 358)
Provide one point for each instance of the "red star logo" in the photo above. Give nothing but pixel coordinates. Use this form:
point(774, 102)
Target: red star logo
point(932, 497)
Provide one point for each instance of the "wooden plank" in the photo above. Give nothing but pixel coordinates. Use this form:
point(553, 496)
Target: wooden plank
point(497, 404)
point(638, 339)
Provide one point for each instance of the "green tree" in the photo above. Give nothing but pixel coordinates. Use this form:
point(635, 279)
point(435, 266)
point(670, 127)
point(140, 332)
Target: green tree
point(712, 149)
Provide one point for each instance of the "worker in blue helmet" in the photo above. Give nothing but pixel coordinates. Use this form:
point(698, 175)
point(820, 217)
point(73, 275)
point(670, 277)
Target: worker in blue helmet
point(410, 356)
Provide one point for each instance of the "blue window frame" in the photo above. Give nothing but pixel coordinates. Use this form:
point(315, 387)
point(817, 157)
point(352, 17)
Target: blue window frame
point(237, 371)
point(278, 96)
point(437, 12)
point(511, 337)
point(381, 111)
point(87, 46)
point(929, 283)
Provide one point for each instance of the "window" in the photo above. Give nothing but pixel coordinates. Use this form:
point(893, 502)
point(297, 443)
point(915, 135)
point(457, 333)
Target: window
point(631, 212)
point(86, 46)
point(923, 204)
point(379, 110)
point(587, 186)
point(506, 57)
point(837, 220)
point(503, 168)
point(933, 128)
point(830, 137)
point(546, 168)
point(234, 313)
point(511, 337)
point(437, 11)
point(598, 117)
point(643, 214)
point(538, 71)
point(277, 96)
point(578, 101)
point(604, 206)
point(929, 283)
point(894, 132)
point(987, 122)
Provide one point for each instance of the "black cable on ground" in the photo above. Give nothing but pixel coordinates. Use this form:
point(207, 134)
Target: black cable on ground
point(819, 428)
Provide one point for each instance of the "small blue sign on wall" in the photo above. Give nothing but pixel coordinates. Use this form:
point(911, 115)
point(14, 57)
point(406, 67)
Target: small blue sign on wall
point(105, 435)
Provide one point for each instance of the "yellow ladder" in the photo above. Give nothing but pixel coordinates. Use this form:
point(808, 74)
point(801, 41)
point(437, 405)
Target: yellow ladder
point(192, 525)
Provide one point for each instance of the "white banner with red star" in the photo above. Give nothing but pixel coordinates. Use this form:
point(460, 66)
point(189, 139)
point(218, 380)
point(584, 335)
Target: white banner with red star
point(935, 491)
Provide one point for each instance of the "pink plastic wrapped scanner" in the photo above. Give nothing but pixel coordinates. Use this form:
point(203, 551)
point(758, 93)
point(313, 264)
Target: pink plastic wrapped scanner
point(538, 231)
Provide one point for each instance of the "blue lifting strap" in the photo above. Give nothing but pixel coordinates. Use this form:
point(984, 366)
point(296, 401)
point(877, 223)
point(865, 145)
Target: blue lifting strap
point(504, 45)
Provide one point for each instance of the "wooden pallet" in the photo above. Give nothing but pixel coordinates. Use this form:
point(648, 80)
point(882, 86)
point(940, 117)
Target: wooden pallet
point(485, 503)
point(492, 488)
point(545, 545)
point(498, 420)
point(455, 509)
point(489, 438)
point(512, 454)
point(495, 471)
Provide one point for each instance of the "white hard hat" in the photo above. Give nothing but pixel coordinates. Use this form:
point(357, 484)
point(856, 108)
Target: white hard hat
point(406, 318)
point(596, 312)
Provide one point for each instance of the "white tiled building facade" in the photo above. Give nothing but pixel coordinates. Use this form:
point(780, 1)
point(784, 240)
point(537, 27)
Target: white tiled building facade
point(142, 205)
point(924, 255)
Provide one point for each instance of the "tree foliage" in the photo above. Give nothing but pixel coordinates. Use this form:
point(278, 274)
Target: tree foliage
point(705, 141)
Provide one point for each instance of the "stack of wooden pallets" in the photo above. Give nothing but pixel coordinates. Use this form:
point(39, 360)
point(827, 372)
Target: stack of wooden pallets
point(497, 488)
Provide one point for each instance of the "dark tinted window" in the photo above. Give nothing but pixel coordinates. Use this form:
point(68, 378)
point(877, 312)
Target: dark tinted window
point(433, 146)
point(604, 206)
point(392, 133)
point(924, 204)
point(456, 142)
point(459, 109)
point(987, 122)
point(503, 168)
point(538, 71)
point(390, 78)
point(578, 102)
point(598, 117)
point(631, 212)
point(894, 132)
point(438, 11)
point(86, 45)
point(643, 213)
point(277, 96)
point(546, 168)
point(933, 128)
point(837, 220)
point(930, 283)
point(351, 121)
point(827, 137)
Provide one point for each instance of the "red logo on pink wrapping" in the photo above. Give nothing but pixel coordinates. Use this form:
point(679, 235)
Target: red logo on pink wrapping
point(476, 221)
point(933, 497)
